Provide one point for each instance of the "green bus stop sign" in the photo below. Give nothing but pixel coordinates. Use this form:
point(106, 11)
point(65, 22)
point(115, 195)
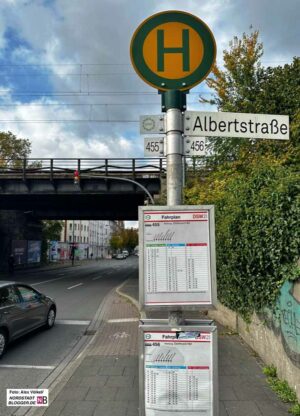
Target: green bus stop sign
point(173, 50)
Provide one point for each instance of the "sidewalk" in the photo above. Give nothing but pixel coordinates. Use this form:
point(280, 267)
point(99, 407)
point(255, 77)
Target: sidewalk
point(106, 381)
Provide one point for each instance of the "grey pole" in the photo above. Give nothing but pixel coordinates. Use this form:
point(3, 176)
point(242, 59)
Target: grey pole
point(174, 132)
point(174, 151)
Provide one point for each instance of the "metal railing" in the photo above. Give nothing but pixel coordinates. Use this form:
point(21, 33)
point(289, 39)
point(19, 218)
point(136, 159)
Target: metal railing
point(60, 167)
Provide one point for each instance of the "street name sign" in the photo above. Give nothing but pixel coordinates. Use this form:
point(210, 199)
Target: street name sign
point(177, 260)
point(243, 125)
point(173, 50)
point(153, 146)
point(194, 146)
point(154, 124)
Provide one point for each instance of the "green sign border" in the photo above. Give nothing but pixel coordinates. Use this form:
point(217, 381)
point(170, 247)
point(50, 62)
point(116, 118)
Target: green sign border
point(164, 84)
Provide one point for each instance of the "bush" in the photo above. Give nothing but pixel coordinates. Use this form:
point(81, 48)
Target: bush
point(257, 233)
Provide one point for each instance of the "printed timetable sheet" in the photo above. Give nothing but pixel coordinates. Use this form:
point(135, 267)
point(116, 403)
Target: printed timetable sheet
point(177, 265)
point(178, 373)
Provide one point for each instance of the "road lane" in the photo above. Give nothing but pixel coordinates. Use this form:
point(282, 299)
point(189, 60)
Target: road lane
point(32, 358)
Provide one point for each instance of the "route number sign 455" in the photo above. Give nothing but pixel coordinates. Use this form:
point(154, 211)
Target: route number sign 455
point(153, 147)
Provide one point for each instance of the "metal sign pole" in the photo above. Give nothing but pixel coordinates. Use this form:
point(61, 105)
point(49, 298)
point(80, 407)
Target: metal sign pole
point(174, 102)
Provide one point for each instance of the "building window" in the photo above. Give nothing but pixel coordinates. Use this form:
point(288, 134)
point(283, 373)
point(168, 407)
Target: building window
point(70, 226)
point(70, 238)
point(75, 226)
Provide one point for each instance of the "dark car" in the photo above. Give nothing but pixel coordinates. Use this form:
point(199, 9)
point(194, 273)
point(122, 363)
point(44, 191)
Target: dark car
point(22, 309)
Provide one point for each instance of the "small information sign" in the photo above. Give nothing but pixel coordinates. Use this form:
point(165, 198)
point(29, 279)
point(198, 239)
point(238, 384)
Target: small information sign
point(154, 124)
point(194, 146)
point(177, 257)
point(179, 370)
point(153, 146)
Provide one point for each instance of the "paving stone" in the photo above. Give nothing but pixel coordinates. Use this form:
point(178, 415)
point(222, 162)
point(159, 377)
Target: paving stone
point(75, 381)
point(130, 394)
point(93, 381)
point(128, 361)
point(102, 393)
point(112, 408)
point(241, 408)
point(272, 408)
point(73, 393)
point(227, 393)
point(55, 408)
point(222, 409)
point(247, 391)
point(105, 361)
point(132, 413)
point(117, 370)
point(80, 408)
point(122, 411)
point(86, 371)
point(130, 371)
point(120, 381)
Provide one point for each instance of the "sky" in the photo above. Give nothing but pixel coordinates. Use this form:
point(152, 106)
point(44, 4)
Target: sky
point(67, 83)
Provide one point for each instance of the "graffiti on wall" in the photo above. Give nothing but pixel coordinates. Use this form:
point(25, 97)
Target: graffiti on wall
point(284, 320)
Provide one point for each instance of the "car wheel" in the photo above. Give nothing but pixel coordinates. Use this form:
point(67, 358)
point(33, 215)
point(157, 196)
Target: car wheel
point(51, 318)
point(3, 342)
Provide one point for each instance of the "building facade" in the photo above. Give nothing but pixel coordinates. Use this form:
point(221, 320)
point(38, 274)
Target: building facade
point(93, 236)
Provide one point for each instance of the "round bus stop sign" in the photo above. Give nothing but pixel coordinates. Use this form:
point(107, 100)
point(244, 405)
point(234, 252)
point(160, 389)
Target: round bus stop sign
point(173, 50)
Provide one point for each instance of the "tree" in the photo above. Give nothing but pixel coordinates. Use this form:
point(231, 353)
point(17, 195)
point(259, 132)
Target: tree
point(254, 185)
point(51, 230)
point(245, 86)
point(12, 148)
point(124, 238)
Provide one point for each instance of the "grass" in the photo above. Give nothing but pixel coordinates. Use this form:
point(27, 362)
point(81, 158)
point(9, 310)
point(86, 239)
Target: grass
point(282, 389)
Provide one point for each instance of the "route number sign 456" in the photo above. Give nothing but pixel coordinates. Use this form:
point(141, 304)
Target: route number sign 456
point(194, 146)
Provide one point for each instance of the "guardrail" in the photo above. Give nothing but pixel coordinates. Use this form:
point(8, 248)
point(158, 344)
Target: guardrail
point(58, 167)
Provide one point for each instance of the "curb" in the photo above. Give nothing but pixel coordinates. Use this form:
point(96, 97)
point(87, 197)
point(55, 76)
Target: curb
point(132, 300)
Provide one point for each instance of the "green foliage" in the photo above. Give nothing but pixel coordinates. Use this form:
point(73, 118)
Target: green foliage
point(270, 371)
point(282, 389)
point(124, 238)
point(254, 184)
point(295, 409)
point(12, 148)
point(257, 232)
point(50, 231)
point(245, 86)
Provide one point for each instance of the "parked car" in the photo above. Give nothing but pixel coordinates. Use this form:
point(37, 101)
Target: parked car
point(120, 256)
point(125, 253)
point(22, 309)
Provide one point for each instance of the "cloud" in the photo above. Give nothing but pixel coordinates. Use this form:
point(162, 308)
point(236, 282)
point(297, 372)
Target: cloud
point(78, 54)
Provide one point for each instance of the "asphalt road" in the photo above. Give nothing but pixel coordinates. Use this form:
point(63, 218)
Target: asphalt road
point(78, 292)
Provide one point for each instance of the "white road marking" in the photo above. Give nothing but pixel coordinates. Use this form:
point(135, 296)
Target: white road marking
point(110, 321)
point(36, 367)
point(47, 281)
point(72, 287)
point(71, 322)
point(99, 277)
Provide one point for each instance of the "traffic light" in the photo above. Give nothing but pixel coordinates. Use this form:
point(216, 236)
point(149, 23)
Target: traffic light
point(76, 177)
